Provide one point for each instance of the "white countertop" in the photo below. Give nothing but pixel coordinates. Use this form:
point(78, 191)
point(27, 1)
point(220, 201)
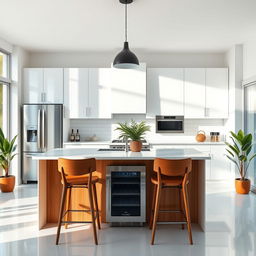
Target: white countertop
point(82, 153)
point(97, 142)
point(150, 142)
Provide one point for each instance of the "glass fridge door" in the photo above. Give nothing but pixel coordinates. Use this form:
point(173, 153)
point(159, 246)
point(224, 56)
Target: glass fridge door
point(250, 126)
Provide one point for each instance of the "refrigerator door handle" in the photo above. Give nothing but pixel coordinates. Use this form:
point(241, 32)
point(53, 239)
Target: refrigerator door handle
point(39, 129)
point(43, 129)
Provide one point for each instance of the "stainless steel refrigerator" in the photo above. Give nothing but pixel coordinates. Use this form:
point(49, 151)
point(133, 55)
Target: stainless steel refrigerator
point(42, 130)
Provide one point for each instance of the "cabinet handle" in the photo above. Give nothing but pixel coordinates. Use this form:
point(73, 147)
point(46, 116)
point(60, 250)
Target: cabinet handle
point(207, 111)
point(87, 111)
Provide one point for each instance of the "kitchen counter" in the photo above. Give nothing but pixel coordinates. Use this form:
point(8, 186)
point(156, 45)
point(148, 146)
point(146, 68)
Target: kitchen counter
point(122, 155)
point(50, 188)
point(98, 142)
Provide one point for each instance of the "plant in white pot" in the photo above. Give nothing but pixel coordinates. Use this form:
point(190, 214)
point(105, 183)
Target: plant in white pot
point(134, 131)
point(239, 152)
point(7, 153)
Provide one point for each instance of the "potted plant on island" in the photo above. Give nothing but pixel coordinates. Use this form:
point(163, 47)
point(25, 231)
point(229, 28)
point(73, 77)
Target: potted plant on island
point(239, 154)
point(134, 131)
point(7, 149)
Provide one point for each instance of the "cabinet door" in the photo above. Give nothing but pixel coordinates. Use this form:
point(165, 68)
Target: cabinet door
point(220, 165)
point(33, 85)
point(53, 85)
point(165, 91)
point(100, 93)
point(217, 92)
point(129, 90)
point(194, 92)
point(76, 96)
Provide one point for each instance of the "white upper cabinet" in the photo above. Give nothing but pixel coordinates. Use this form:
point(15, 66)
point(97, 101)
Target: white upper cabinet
point(33, 84)
point(129, 90)
point(76, 96)
point(43, 85)
point(217, 92)
point(165, 91)
point(194, 92)
point(100, 93)
point(53, 85)
point(87, 92)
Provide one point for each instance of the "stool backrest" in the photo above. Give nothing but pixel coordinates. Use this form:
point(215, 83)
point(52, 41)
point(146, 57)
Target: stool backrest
point(175, 167)
point(76, 167)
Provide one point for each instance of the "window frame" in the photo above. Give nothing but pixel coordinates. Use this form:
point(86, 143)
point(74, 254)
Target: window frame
point(6, 81)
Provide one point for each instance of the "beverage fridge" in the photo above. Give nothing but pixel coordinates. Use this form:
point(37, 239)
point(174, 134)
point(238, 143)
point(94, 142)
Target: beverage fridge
point(42, 130)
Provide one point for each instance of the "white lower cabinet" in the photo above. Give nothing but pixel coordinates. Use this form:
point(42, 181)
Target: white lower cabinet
point(220, 165)
point(218, 168)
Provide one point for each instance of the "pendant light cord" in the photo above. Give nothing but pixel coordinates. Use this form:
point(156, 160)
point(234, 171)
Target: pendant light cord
point(125, 23)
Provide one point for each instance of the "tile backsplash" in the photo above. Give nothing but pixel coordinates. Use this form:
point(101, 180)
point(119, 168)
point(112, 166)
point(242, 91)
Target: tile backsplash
point(104, 129)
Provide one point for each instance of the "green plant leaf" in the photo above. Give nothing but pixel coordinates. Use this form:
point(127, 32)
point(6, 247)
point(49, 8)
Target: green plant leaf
point(234, 161)
point(230, 152)
point(234, 149)
point(236, 137)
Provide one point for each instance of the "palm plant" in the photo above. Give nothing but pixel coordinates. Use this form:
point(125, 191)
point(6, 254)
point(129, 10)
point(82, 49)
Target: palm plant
point(134, 131)
point(7, 149)
point(239, 152)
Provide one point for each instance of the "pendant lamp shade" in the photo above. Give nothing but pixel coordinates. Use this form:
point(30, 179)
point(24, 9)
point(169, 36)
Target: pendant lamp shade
point(126, 59)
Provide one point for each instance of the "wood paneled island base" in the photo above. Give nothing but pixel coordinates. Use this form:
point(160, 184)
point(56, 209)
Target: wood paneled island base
point(50, 193)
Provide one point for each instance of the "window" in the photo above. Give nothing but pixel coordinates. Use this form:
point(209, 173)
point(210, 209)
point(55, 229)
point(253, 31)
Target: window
point(4, 90)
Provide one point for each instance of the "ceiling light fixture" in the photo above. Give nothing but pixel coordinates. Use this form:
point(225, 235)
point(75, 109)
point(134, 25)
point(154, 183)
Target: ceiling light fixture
point(126, 59)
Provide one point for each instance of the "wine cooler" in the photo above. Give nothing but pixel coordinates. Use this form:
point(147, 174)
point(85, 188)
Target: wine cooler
point(126, 195)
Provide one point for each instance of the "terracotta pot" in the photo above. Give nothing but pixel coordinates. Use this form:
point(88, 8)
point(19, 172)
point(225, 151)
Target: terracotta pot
point(200, 137)
point(7, 183)
point(243, 186)
point(135, 146)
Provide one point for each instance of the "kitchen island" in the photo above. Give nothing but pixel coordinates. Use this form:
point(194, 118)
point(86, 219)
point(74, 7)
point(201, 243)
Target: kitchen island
point(50, 187)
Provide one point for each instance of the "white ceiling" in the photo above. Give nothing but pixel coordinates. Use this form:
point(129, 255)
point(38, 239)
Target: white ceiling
point(154, 25)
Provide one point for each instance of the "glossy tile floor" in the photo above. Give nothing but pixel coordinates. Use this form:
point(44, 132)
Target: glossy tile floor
point(231, 230)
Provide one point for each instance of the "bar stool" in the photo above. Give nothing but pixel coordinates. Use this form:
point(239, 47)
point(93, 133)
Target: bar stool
point(78, 174)
point(171, 174)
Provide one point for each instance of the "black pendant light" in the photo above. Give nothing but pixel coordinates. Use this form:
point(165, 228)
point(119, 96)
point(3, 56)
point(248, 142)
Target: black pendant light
point(126, 59)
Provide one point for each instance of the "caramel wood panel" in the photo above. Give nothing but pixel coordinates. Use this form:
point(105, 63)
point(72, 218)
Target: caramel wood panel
point(80, 200)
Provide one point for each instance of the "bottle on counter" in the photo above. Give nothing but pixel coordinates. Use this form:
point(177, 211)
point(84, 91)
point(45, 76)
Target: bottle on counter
point(72, 136)
point(215, 136)
point(77, 137)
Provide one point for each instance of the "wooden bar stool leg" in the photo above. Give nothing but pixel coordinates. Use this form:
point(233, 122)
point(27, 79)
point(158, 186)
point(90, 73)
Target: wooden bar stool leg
point(92, 213)
point(157, 204)
point(186, 203)
point(68, 206)
point(96, 205)
point(153, 207)
point(62, 205)
point(180, 204)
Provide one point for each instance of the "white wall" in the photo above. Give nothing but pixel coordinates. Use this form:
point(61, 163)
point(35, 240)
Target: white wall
point(249, 60)
point(19, 60)
point(104, 129)
point(4, 45)
point(104, 59)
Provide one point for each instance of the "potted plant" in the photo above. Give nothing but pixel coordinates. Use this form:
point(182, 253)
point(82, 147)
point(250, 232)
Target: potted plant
point(239, 154)
point(135, 132)
point(7, 149)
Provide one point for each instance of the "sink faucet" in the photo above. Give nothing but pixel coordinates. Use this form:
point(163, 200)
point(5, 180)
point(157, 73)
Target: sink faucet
point(126, 144)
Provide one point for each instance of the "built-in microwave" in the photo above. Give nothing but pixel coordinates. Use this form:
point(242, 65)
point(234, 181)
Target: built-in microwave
point(169, 124)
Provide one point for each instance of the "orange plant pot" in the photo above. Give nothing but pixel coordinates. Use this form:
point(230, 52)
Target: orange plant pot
point(7, 183)
point(135, 146)
point(243, 186)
